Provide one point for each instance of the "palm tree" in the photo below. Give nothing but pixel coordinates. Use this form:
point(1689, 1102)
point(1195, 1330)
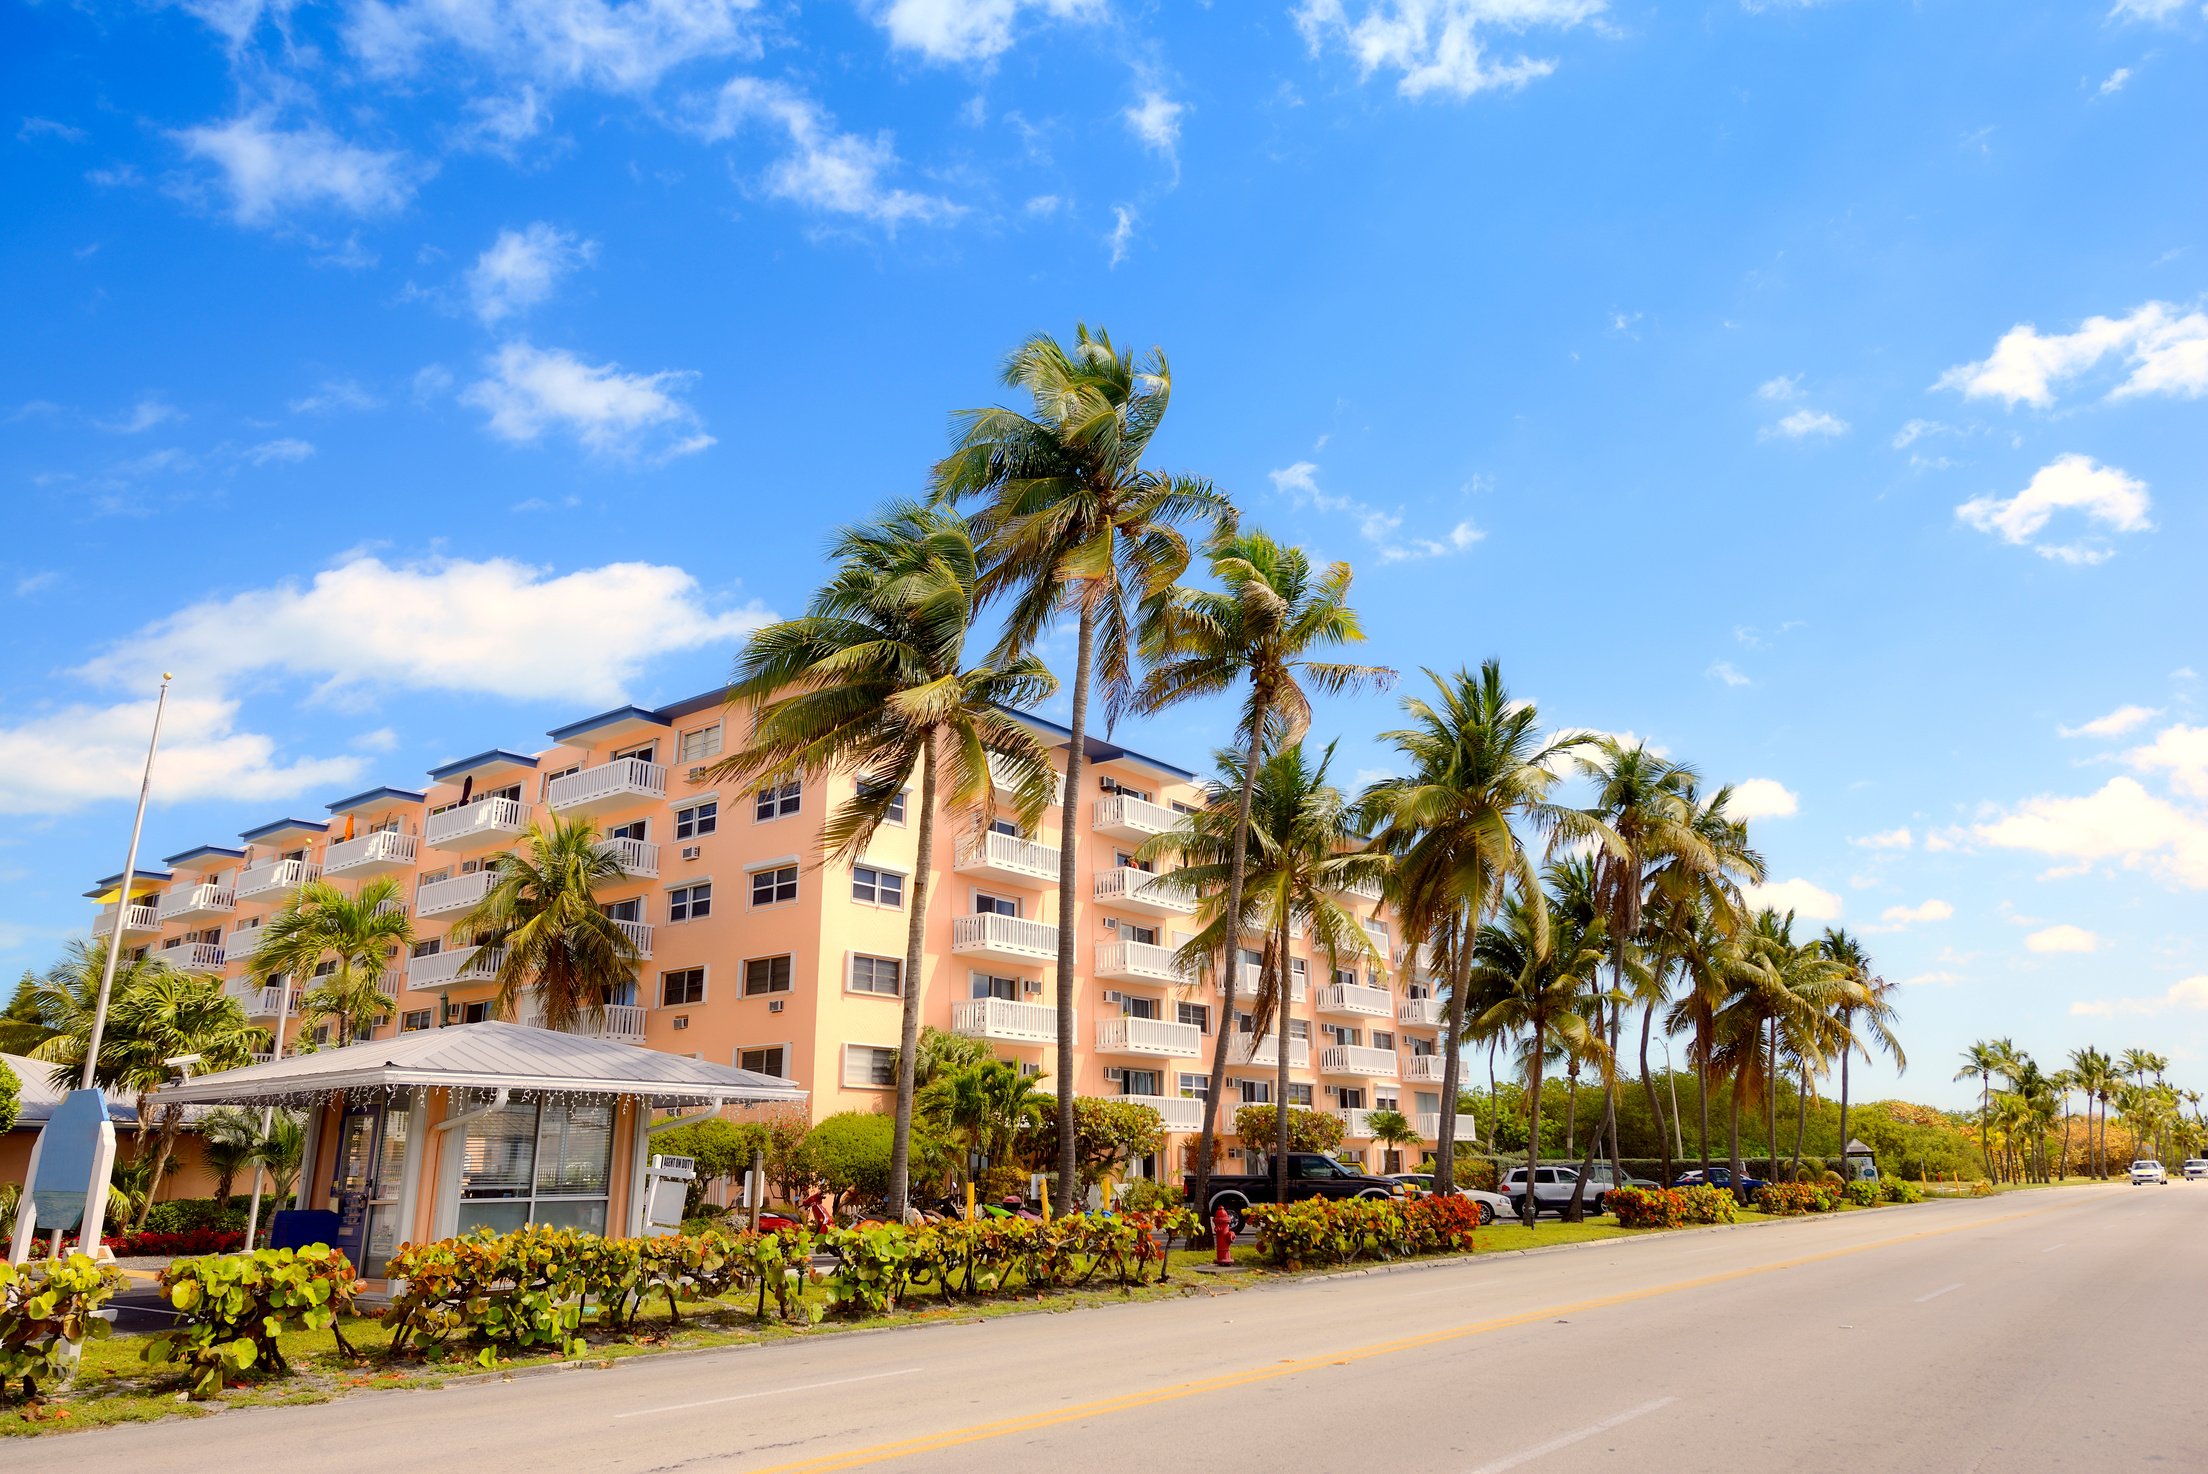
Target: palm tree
point(542, 918)
point(1073, 522)
point(1784, 997)
point(1479, 771)
point(1263, 623)
point(986, 1106)
point(873, 682)
point(1393, 1129)
point(281, 1153)
point(229, 1136)
point(1981, 1062)
point(354, 937)
point(1876, 1007)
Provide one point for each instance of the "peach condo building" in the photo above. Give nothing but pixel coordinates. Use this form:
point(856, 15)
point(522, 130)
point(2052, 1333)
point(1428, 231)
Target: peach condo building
point(757, 955)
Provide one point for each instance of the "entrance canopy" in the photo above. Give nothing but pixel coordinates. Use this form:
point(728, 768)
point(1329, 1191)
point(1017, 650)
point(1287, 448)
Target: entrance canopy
point(523, 1061)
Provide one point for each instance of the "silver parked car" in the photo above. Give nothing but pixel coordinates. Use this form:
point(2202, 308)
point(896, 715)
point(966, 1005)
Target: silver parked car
point(2146, 1170)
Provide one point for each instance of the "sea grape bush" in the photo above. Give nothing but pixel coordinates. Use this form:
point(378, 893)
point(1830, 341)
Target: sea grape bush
point(1899, 1190)
point(1343, 1231)
point(47, 1313)
point(1787, 1199)
point(879, 1266)
point(1670, 1207)
point(230, 1309)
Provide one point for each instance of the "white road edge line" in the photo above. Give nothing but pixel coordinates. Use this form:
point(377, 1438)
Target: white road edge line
point(1566, 1440)
point(1936, 1294)
point(769, 1392)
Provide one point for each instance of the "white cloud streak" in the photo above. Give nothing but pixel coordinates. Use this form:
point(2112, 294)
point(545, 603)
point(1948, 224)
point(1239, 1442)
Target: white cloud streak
point(2104, 495)
point(1438, 46)
point(529, 391)
point(1377, 526)
point(823, 169)
point(1809, 901)
point(2123, 719)
point(1763, 798)
point(58, 761)
point(269, 171)
point(522, 268)
point(968, 32)
point(2166, 347)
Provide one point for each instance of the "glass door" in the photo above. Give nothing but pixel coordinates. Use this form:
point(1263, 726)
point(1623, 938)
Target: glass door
point(352, 1186)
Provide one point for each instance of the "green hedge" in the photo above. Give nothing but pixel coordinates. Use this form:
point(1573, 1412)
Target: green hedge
point(187, 1215)
point(1334, 1231)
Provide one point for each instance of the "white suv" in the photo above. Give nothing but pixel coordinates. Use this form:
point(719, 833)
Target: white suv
point(2196, 1169)
point(2145, 1171)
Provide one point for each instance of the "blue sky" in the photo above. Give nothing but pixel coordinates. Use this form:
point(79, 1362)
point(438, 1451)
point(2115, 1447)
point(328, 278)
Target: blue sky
point(1815, 390)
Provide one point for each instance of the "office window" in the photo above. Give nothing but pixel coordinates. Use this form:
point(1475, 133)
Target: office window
point(877, 887)
point(682, 986)
point(767, 975)
point(690, 902)
point(776, 803)
point(1198, 1014)
point(705, 742)
point(772, 887)
point(771, 1059)
point(693, 820)
point(414, 1020)
point(876, 975)
point(869, 1067)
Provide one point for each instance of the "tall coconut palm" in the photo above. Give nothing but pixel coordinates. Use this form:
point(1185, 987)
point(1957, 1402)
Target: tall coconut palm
point(541, 915)
point(873, 682)
point(355, 937)
point(1480, 773)
point(1270, 614)
point(1983, 1061)
point(1074, 523)
point(1866, 1016)
point(2093, 1073)
point(1784, 998)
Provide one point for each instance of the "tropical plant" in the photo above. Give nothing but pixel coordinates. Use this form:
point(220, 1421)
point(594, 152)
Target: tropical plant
point(873, 681)
point(1983, 1061)
point(541, 917)
point(1391, 1128)
point(1871, 997)
point(1074, 523)
point(343, 946)
point(229, 1137)
point(989, 1107)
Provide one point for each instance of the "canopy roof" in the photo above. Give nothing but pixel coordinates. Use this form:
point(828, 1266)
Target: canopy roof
point(487, 1056)
point(41, 1096)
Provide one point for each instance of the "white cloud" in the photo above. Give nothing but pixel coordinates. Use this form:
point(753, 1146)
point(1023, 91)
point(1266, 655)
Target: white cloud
point(2115, 82)
point(500, 125)
point(522, 267)
point(2104, 494)
point(284, 452)
point(148, 413)
point(1781, 389)
point(1936, 979)
point(1044, 205)
point(969, 30)
point(1886, 839)
point(2166, 347)
point(1382, 529)
point(269, 171)
point(2185, 994)
point(1123, 232)
point(2147, 10)
point(1156, 120)
point(1729, 673)
point(1805, 424)
point(443, 624)
point(2181, 752)
point(335, 394)
point(1808, 901)
point(603, 44)
point(2115, 724)
point(1894, 918)
point(2121, 823)
point(822, 169)
point(2062, 938)
point(1438, 45)
point(1915, 431)
point(57, 761)
point(1763, 798)
point(531, 390)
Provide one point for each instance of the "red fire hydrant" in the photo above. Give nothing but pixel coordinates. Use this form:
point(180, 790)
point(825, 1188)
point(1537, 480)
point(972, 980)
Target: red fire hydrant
point(1222, 1237)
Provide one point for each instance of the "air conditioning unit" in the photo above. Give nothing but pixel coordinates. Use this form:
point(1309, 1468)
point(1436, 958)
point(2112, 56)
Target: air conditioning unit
point(682, 1021)
point(691, 851)
point(1113, 1075)
point(1031, 987)
point(774, 1005)
point(695, 775)
point(1111, 997)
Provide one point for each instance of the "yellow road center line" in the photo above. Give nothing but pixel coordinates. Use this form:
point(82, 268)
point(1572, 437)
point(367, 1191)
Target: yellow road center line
point(1296, 1366)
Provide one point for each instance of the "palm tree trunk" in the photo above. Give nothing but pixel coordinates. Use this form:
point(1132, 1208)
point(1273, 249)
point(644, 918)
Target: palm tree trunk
point(1528, 1211)
point(1732, 1130)
point(1610, 1069)
point(1985, 1123)
point(1648, 1088)
point(1575, 1211)
point(1702, 1107)
point(172, 1122)
point(1231, 950)
point(1571, 1110)
point(1281, 989)
point(1771, 1104)
point(1801, 1117)
point(1460, 983)
point(1845, 1051)
point(2062, 1163)
point(1069, 832)
point(1494, 1101)
point(908, 1047)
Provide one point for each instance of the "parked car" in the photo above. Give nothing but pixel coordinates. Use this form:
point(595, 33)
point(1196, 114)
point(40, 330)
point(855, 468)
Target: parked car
point(1492, 1205)
point(2195, 1169)
point(1719, 1177)
point(2144, 1171)
point(1310, 1175)
point(1553, 1186)
point(1599, 1176)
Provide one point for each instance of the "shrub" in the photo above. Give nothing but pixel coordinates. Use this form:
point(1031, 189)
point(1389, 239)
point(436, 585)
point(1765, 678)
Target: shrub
point(720, 1149)
point(189, 1215)
point(231, 1308)
point(1343, 1231)
point(46, 1316)
point(11, 1097)
point(1308, 1130)
point(1648, 1207)
point(184, 1242)
point(999, 1183)
point(1863, 1193)
point(1709, 1205)
point(1148, 1194)
point(851, 1153)
point(1786, 1199)
point(1900, 1190)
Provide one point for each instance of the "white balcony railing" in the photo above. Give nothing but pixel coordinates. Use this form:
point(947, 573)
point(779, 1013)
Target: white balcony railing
point(454, 965)
point(1357, 1059)
point(621, 1022)
point(259, 1002)
point(1016, 937)
point(484, 824)
point(1002, 1018)
point(1249, 1049)
point(275, 875)
point(1356, 1124)
point(1420, 1013)
point(639, 934)
point(1137, 962)
point(1127, 817)
point(453, 893)
point(1000, 778)
point(1179, 1112)
point(1006, 857)
point(1355, 998)
point(137, 920)
point(385, 849)
point(634, 856)
point(242, 942)
point(194, 956)
point(1424, 1067)
point(1150, 1036)
point(608, 784)
point(1139, 890)
point(1362, 890)
point(1428, 1124)
point(203, 899)
point(1297, 983)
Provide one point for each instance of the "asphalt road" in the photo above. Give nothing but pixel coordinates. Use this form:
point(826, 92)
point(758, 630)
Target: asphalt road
point(2057, 1330)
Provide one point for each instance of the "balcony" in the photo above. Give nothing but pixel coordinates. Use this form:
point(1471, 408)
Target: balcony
point(1297, 984)
point(193, 956)
point(1123, 816)
point(203, 902)
point(1004, 938)
point(138, 920)
point(1000, 781)
point(1149, 1036)
point(379, 853)
point(1360, 890)
point(1357, 1059)
point(262, 1002)
point(1418, 959)
point(1420, 1013)
point(1355, 999)
point(454, 894)
point(636, 857)
point(639, 934)
point(618, 784)
point(454, 965)
point(242, 942)
point(1428, 1124)
point(1001, 1018)
point(1006, 857)
point(1356, 1124)
point(1424, 1067)
point(1128, 889)
point(623, 1023)
point(1137, 962)
point(1179, 1112)
point(486, 824)
point(275, 875)
point(1249, 1049)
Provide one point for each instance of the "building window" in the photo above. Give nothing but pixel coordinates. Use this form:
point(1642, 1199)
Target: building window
point(1381, 1040)
point(705, 742)
point(693, 820)
point(988, 905)
point(877, 887)
point(1127, 931)
point(985, 985)
point(869, 1067)
point(1254, 1092)
point(546, 1163)
point(876, 975)
point(552, 778)
point(894, 812)
point(427, 947)
point(766, 975)
point(776, 803)
point(1345, 977)
point(1141, 1082)
point(475, 1013)
point(1134, 1005)
point(1299, 1095)
point(690, 902)
point(414, 1020)
point(774, 886)
point(1198, 1014)
point(767, 1060)
point(1195, 1087)
point(683, 986)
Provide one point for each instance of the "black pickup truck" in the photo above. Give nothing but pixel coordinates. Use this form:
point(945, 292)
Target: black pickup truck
point(1310, 1175)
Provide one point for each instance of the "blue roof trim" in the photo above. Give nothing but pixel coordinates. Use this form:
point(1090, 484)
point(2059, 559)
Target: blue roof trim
point(197, 851)
point(606, 719)
point(143, 872)
point(482, 760)
point(403, 795)
point(1100, 751)
point(690, 706)
point(317, 826)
